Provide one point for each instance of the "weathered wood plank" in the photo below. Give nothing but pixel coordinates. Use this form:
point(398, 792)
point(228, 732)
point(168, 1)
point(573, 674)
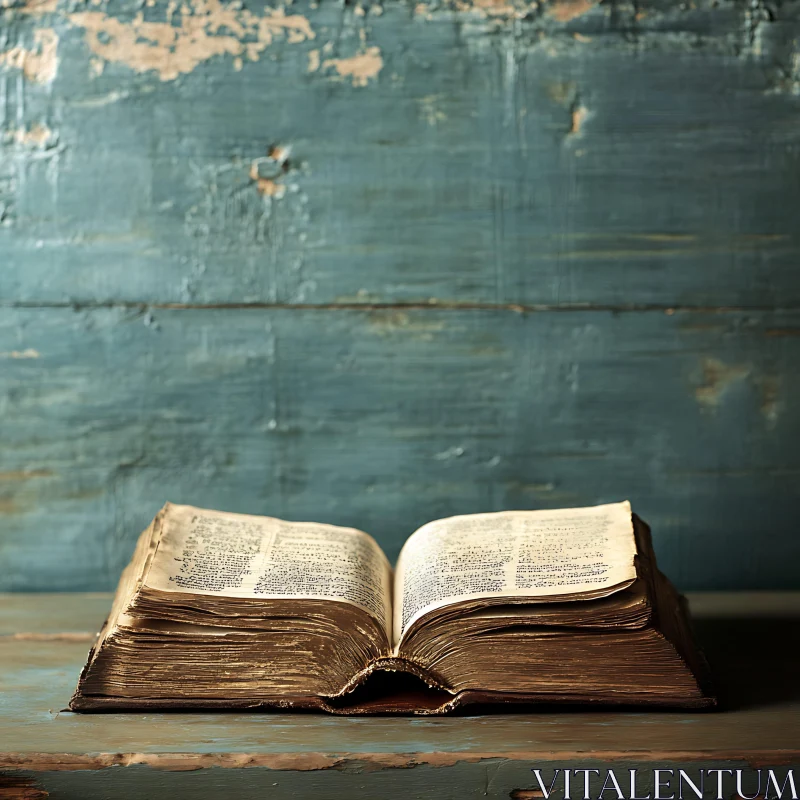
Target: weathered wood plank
point(72, 754)
point(556, 153)
point(387, 419)
point(551, 154)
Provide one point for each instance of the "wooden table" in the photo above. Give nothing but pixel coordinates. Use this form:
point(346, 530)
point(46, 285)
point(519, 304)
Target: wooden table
point(752, 641)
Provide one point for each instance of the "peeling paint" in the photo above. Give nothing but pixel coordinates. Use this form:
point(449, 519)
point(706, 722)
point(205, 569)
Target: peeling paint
point(38, 135)
point(501, 9)
point(37, 8)
point(579, 114)
point(360, 67)
point(207, 28)
point(270, 188)
point(266, 171)
point(29, 353)
point(180, 199)
point(567, 10)
point(498, 8)
point(279, 154)
point(560, 10)
point(40, 63)
point(717, 377)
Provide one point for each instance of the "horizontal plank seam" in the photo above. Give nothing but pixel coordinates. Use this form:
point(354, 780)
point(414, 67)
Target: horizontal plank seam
point(518, 308)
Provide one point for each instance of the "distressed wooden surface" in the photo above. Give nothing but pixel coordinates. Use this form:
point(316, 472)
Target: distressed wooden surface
point(43, 645)
point(589, 207)
point(386, 419)
point(561, 152)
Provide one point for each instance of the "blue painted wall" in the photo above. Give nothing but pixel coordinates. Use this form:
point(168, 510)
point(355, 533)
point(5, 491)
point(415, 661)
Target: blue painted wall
point(375, 264)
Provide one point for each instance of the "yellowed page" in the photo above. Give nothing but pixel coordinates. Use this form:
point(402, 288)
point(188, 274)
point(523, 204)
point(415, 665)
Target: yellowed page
point(237, 555)
point(543, 555)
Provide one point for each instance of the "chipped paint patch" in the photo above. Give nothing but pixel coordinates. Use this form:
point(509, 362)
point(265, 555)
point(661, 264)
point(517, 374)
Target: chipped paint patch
point(360, 68)
point(499, 9)
point(207, 28)
point(717, 377)
point(22, 354)
point(578, 117)
point(37, 8)
point(313, 61)
point(270, 188)
point(40, 63)
point(559, 10)
point(38, 135)
point(266, 171)
point(567, 10)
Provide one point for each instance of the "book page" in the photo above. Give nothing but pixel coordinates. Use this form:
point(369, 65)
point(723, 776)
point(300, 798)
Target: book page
point(537, 554)
point(237, 555)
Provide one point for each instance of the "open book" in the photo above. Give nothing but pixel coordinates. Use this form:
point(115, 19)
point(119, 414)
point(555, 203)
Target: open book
point(227, 610)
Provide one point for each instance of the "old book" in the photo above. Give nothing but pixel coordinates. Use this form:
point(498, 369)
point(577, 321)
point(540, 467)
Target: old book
point(220, 610)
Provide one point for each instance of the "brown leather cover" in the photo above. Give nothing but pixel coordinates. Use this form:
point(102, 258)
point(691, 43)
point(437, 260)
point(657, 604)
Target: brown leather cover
point(398, 686)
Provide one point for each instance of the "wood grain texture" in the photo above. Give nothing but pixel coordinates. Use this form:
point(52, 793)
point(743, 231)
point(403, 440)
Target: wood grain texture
point(203, 755)
point(519, 152)
point(196, 201)
point(386, 419)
